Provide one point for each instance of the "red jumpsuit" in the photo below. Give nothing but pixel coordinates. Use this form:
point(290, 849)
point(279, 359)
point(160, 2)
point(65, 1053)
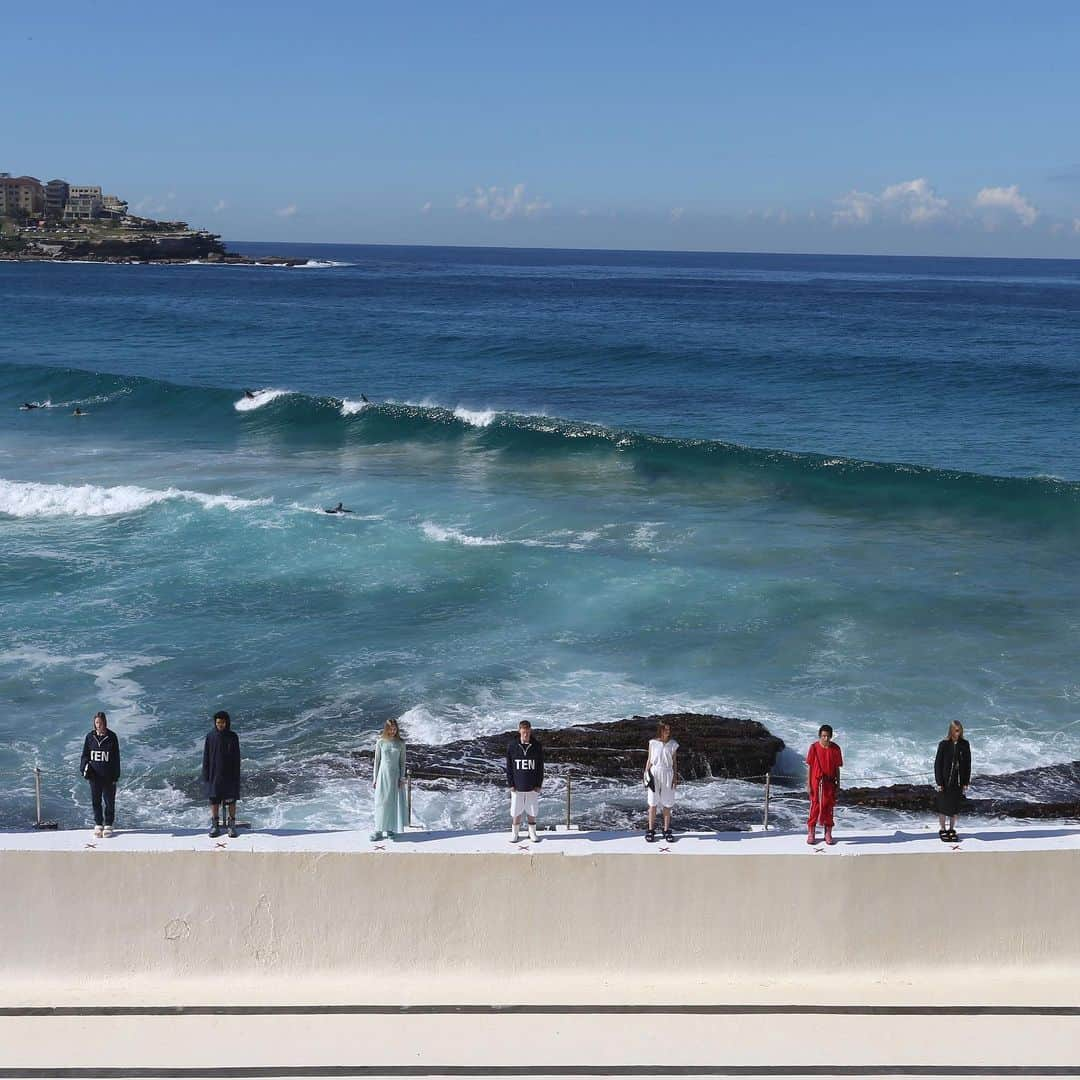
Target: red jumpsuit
point(824, 762)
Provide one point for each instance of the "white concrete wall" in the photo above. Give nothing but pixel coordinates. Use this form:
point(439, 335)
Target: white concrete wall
point(66, 915)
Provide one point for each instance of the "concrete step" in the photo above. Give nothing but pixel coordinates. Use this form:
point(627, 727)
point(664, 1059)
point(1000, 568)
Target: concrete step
point(367, 1041)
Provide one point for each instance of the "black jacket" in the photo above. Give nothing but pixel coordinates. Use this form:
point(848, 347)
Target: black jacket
point(221, 765)
point(952, 766)
point(101, 756)
point(524, 765)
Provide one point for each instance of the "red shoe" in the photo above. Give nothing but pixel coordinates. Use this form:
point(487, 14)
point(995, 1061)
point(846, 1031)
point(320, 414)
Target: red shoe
point(828, 835)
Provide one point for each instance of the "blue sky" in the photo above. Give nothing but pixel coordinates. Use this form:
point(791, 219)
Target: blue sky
point(944, 128)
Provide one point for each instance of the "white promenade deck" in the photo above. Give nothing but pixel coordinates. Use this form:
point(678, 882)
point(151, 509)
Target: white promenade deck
point(294, 954)
point(1045, 836)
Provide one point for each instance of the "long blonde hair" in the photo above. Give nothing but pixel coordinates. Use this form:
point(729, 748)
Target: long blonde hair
point(387, 733)
point(959, 727)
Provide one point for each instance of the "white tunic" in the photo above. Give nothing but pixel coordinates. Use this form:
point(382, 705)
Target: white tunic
point(662, 762)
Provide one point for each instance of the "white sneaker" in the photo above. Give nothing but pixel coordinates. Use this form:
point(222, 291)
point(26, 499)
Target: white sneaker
point(108, 830)
point(532, 833)
point(515, 835)
point(98, 831)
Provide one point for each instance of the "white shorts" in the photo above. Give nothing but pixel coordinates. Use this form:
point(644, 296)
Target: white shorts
point(663, 797)
point(524, 802)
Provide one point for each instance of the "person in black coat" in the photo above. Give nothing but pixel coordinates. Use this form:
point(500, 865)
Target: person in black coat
point(100, 764)
point(221, 772)
point(952, 774)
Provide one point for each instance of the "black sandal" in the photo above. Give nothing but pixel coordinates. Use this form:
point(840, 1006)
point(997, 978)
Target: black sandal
point(953, 838)
point(650, 836)
point(943, 835)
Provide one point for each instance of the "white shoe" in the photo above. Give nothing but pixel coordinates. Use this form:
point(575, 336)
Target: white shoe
point(532, 833)
point(98, 831)
point(108, 830)
point(515, 835)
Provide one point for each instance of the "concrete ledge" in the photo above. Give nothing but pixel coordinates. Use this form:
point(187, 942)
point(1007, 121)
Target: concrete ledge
point(628, 921)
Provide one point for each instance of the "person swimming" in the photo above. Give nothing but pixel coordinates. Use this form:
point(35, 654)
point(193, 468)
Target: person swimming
point(339, 509)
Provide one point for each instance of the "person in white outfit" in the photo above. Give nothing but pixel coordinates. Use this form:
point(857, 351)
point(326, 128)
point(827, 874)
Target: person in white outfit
point(661, 779)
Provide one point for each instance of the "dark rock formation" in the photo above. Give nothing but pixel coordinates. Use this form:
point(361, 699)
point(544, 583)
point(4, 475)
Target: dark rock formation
point(710, 746)
point(1051, 791)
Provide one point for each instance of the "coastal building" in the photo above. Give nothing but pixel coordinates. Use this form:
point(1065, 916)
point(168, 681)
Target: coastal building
point(56, 197)
point(21, 196)
point(85, 191)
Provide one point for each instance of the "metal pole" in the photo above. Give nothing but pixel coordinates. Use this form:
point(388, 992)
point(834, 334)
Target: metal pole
point(408, 796)
point(768, 791)
point(37, 793)
point(569, 785)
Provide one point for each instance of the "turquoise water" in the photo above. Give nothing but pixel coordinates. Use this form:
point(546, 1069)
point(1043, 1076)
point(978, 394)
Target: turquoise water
point(589, 485)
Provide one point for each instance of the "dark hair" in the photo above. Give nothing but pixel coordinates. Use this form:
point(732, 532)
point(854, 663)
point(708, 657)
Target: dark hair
point(825, 727)
point(105, 720)
point(221, 714)
point(525, 723)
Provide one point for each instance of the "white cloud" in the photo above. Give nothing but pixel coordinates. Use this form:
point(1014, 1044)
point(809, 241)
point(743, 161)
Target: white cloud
point(855, 208)
point(913, 202)
point(220, 205)
point(287, 211)
point(998, 201)
point(781, 217)
point(500, 205)
point(677, 213)
point(1076, 225)
point(426, 208)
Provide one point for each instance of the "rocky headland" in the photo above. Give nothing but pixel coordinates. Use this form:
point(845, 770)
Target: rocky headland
point(150, 245)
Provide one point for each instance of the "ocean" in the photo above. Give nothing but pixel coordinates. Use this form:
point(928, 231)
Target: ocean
point(587, 485)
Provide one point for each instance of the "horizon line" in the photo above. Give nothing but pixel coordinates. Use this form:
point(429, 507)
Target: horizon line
point(658, 251)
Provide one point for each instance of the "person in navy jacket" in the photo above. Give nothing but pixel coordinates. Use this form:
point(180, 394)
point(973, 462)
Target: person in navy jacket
point(524, 777)
point(100, 764)
point(221, 772)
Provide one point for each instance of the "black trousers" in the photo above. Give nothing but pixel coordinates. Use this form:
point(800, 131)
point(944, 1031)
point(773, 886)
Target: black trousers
point(102, 790)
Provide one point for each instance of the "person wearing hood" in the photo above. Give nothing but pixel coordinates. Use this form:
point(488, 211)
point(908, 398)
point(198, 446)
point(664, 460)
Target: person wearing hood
point(100, 764)
point(221, 772)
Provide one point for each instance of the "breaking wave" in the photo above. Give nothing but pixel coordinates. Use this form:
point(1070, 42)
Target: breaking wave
point(708, 468)
point(31, 500)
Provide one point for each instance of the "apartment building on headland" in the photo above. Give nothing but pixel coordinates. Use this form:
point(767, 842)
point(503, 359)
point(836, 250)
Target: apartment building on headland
point(25, 198)
point(21, 196)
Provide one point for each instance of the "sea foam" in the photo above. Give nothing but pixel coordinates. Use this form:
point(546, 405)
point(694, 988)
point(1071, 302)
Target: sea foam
point(258, 400)
point(443, 535)
point(31, 500)
point(475, 417)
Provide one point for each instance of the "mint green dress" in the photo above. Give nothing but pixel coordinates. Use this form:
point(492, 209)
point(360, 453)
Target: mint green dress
point(390, 811)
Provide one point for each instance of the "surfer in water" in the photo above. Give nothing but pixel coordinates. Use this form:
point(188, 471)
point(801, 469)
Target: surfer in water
point(339, 509)
point(78, 412)
point(249, 394)
point(26, 406)
point(363, 398)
